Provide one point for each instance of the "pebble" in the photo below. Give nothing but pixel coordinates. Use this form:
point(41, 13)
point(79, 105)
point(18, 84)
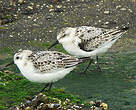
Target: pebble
point(51, 10)
point(28, 102)
point(30, 7)
point(98, 105)
point(99, 21)
point(123, 9)
point(27, 108)
point(48, 17)
point(130, 10)
point(107, 12)
point(10, 35)
point(29, 17)
point(119, 6)
point(106, 23)
point(37, 6)
point(59, 6)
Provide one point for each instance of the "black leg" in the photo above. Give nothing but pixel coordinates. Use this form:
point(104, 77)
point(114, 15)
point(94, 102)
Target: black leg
point(30, 101)
point(98, 64)
point(50, 86)
point(90, 62)
point(45, 87)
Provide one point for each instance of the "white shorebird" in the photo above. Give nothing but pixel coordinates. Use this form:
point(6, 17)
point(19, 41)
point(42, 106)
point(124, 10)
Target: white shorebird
point(45, 66)
point(87, 41)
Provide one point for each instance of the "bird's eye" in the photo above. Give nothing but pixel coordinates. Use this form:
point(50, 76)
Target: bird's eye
point(17, 58)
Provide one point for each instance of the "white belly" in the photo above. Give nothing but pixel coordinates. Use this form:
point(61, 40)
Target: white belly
point(34, 76)
point(76, 51)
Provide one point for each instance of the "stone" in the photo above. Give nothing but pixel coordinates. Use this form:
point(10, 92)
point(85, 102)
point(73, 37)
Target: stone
point(107, 12)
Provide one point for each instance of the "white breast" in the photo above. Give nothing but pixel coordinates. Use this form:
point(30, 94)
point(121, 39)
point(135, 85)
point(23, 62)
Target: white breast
point(73, 49)
point(33, 75)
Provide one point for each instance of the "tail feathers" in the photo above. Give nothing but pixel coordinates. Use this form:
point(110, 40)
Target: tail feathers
point(77, 62)
point(117, 33)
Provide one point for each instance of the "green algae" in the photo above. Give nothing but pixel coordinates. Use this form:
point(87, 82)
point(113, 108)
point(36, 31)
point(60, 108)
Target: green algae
point(115, 85)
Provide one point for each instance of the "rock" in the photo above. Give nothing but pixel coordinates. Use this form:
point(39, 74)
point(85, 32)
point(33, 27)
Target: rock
point(98, 105)
point(130, 10)
point(99, 21)
point(106, 23)
point(30, 7)
point(119, 6)
point(53, 105)
point(48, 17)
point(51, 10)
point(59, 6)
point(107, 12)
point(104, 105)
point(27, 108)
point(123, 9)
point(37, 6)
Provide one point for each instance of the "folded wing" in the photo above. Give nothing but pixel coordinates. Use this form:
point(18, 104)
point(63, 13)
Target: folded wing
point(93, 38)
point(46, 61)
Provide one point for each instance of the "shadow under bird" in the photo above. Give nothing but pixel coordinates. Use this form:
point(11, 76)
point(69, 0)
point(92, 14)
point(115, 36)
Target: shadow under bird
point(45, 66)
point(87, 41)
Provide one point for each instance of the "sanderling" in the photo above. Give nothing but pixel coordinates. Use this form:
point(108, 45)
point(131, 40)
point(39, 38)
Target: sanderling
point(88, 41)
point(45, 66)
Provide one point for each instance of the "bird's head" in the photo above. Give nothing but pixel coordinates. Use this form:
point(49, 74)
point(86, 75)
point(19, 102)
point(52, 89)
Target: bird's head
point(21, 55)
point(64, 35)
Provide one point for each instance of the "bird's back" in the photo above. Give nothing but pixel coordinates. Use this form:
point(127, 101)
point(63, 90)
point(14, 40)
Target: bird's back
point(93, 38)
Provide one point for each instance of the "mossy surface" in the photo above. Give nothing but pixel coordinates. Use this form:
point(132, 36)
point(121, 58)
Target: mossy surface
point(115, 85)
point(16, 89)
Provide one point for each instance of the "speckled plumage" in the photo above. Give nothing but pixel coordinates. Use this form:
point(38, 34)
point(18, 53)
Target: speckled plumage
point(86, 40)
point(44, 61)
point(45, 66)
point(92, 38)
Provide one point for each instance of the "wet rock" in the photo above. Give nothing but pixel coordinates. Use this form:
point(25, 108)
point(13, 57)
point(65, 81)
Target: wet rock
point(27, 108)
point(14, 108)
point(98, 105)
point(53, 105)
point(42, 102)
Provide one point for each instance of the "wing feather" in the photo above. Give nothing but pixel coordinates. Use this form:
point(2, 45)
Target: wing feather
point(93, 38)
point(46, 61)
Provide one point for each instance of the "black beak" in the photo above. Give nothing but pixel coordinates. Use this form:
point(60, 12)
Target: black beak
point(55, 43)
point(11, 63)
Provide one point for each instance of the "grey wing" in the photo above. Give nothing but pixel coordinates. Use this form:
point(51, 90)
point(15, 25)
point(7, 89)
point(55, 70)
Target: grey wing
point(46, 61)
point(93, 38)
